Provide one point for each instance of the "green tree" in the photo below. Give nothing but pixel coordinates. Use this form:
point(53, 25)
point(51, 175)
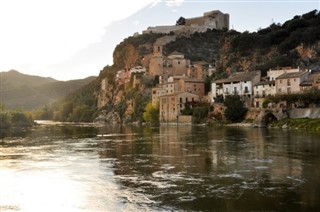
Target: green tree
point(139, 104)
point(151, 114)
point(20, 119)
point(121, 109)
point(200, 113)
point(235, 109)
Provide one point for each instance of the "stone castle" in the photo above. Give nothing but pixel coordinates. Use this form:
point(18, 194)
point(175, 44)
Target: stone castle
point(210, 20)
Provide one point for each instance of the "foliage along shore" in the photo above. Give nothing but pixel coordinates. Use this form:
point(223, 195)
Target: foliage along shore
point(14, 118)
point(301, 123)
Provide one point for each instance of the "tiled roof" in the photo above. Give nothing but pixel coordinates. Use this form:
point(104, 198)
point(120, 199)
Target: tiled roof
point(291, 75)
point(238, 77)
point(272, 82)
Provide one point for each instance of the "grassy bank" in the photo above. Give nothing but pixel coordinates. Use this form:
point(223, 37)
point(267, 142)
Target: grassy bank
point(303, 123)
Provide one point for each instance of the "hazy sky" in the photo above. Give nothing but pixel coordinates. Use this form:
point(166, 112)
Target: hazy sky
point(72, 39)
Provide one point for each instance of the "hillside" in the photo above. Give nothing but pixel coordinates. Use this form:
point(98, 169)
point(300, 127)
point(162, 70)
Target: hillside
point(31, 92)
point(293, 43)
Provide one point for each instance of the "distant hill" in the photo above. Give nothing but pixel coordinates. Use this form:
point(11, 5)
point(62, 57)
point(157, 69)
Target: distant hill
point(22, 91)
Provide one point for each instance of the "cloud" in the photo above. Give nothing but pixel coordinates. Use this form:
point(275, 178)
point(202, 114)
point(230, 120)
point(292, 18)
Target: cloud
point(47, 32)
point(174, 3)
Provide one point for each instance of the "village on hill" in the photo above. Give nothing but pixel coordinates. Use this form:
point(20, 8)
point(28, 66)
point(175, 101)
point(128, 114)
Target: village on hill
point(181, 82)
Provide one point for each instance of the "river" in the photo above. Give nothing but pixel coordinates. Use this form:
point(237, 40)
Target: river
point(169, 168)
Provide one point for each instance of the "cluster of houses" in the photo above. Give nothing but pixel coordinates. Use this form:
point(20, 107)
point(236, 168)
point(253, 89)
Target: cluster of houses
point(181, 82)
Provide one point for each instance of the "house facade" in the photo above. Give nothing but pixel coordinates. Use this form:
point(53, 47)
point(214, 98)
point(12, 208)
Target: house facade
point(262, 90)
point(288, 83)
point(195, 86)
point(240, 83)
point(172, 105)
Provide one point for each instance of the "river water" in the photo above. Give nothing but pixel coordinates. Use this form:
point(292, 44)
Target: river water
point(170, 168)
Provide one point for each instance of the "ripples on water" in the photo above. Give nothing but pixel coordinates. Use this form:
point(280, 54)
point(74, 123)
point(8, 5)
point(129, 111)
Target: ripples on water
point(85, 168)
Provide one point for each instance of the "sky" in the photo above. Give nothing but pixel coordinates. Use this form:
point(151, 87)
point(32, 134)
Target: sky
point(74, 39)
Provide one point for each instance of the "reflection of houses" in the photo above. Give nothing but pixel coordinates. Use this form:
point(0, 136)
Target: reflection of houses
point(172, 105)
point(240, 83)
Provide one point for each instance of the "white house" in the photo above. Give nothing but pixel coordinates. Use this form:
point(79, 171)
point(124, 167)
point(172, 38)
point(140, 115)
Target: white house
point(240, 83)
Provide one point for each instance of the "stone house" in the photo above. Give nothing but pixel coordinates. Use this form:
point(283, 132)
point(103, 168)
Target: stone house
point(313, 81)
point(288, 83)
point(172, 105)
point(163, 89)
point(191, 85)
point(272, 74)
point(262, 90)
point(200, 70)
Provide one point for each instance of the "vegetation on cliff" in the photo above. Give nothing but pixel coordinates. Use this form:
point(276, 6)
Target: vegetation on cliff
point(79, 106)
point(293, 43)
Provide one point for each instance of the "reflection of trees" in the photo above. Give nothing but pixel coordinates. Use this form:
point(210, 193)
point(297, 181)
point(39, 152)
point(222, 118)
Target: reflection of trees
point(14, 132)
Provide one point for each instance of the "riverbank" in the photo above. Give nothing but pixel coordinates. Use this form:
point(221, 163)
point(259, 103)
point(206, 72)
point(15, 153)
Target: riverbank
point(300, 123)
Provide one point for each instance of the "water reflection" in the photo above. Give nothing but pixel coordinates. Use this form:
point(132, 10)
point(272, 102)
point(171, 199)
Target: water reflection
point(170, 168)
point(202, 168)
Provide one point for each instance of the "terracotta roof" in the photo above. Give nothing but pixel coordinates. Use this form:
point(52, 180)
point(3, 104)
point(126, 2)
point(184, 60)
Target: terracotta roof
point(238, 77)
point(291, 75)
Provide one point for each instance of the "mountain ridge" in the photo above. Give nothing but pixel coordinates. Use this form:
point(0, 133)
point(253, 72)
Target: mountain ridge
point(29, 92)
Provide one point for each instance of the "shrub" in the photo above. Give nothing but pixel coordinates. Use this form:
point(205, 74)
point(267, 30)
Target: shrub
point(235, 110)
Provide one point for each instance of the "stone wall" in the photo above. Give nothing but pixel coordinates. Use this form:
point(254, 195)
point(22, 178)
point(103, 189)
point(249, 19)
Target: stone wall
point(312, 113)
point(185, 119)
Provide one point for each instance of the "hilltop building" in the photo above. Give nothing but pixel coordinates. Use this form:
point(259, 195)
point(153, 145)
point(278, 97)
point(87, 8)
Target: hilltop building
point(210, 20)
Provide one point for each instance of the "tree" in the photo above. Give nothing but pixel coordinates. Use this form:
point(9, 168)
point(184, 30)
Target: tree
point(200, 113)
point(151, 114)
point(235, 110)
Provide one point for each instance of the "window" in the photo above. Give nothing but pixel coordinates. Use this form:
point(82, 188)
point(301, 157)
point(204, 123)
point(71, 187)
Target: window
point(246, 90)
